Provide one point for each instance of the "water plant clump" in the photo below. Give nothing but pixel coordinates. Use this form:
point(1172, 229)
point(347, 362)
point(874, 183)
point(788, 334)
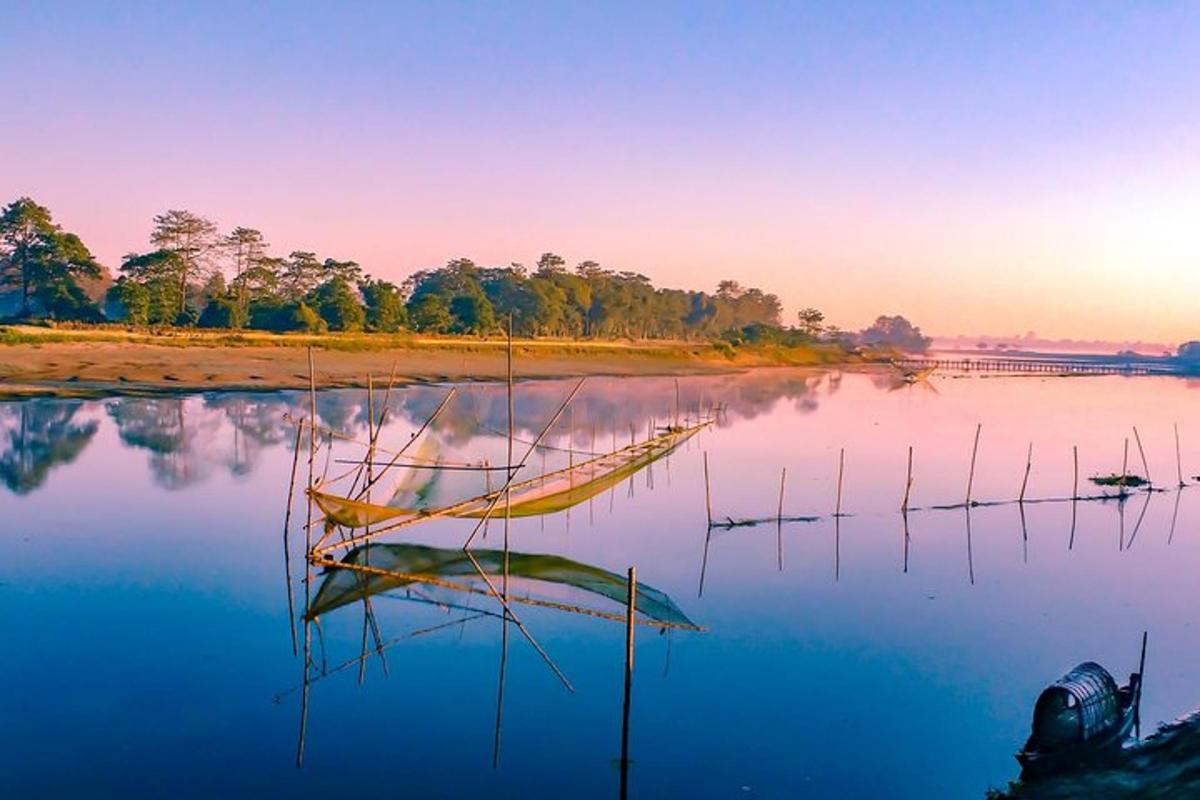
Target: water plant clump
point(1127, 480)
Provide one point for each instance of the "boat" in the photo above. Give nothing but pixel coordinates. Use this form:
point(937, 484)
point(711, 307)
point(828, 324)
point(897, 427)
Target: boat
point(1081, 719)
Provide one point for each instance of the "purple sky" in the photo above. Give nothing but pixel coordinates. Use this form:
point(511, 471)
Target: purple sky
point(977, 167)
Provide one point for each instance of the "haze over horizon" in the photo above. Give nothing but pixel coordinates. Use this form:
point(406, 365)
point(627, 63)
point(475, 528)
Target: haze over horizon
point(975, 167)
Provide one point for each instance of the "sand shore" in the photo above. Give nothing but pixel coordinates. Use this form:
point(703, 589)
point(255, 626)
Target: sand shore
point(43, 362)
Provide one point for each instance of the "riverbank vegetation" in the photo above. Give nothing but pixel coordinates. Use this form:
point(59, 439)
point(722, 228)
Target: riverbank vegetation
point(194, 276)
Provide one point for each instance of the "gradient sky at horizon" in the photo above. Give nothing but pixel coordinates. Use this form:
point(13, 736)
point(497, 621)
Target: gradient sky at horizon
point(978, 167)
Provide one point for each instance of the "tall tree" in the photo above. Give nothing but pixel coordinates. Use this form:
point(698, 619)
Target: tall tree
point(158, 272)
point(45, 261)
point(247, 250)
point(301, 274)
point(24, 228)
point(194, 241)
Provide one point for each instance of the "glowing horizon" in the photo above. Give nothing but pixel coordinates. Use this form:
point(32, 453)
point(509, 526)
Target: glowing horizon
point(978, 169)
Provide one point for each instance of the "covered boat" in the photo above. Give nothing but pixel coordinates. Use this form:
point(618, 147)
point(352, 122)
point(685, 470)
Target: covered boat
point(1078, 719)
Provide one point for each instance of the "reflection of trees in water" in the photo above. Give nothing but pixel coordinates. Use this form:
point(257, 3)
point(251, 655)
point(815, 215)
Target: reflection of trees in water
point(257, 421)
point(170, 432)
point(186, 438)
point(36, 436)
point(609, 405)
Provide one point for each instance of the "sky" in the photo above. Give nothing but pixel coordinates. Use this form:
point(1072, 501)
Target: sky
point(978, 167)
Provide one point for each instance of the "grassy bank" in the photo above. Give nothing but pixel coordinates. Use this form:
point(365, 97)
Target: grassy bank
point(108, 360)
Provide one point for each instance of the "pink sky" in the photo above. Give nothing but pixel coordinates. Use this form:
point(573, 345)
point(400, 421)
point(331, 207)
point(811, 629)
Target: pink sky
point(975, 172)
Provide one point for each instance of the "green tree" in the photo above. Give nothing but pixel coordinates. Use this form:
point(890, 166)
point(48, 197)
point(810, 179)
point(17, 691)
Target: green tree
point(158, 272)
point(46, 262)
point(305, 319)
point(896, 332)
point(301, 274)
point(472, 314)
point(430, 314)
point(130, 301)
point(811, 322)
point(385, 305)
point(337, 304)
point(223, 311)
point(247, 250)
point(348, 271)
point(194, 241)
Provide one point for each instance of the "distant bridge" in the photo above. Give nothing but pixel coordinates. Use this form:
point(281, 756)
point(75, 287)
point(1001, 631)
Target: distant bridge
point(1044, 364)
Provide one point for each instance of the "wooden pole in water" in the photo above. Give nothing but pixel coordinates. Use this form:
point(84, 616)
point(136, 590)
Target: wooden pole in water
point(1137, 702)
point(1178, 457)
point(1124, 466)
point(707, 491)
point(630, 610)
point(782, 480)
point(1145, 466)
point(1075, 491)
point(1025, 480)
point(974, 453)
point(841, 471)
point(907, 482)
point(287, 524)
point(508, 470)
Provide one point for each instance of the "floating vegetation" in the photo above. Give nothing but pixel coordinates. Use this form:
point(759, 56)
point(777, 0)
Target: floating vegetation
point(1127, 480)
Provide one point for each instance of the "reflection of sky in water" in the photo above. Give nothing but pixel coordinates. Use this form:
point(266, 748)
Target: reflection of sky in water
point(142, 596)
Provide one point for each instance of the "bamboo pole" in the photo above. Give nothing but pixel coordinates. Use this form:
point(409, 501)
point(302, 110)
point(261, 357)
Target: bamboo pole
point(1145, 466)
point(521, 464)
point(399, 453)
point(908, 481)
point(841, 471)
point(1124, 466)
point(509, 473)
point(1075, 491)
point(1178, 458)
point(974, 453)
point(631, 608)
point(1025, 480)
point(707, 491)
point(507, 524)
point(782, 481)
point(287, 524)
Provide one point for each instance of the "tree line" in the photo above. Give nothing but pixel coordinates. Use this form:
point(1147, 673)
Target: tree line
point(193, 274)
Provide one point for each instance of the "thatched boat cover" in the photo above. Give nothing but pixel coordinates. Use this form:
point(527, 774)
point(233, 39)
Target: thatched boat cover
point(1082, 704)
point(407, 562)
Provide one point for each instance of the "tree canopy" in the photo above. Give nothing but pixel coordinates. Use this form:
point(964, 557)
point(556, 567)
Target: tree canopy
point(45, 262)
point(193, 274)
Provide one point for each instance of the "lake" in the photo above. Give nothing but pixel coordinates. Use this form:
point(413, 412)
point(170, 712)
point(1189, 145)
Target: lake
point(144, 603)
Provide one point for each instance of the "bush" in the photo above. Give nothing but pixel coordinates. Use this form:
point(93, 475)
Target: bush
point(223, 312)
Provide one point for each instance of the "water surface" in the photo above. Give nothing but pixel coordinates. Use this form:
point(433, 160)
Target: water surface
point(144, 607)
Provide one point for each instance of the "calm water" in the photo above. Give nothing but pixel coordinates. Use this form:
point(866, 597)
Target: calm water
point(144, 614)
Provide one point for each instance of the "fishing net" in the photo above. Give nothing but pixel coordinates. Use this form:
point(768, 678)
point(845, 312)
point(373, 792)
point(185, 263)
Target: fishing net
point(393, 566)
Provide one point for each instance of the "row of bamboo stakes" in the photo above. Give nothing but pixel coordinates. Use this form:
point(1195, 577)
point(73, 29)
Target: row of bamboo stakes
point(969, 500)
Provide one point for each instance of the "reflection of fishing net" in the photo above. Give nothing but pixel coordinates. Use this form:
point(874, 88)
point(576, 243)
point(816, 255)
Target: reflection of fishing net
point(546, 494)
point(375, 568)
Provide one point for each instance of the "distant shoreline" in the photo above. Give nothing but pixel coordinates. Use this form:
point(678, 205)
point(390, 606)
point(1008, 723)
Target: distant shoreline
point(46, 362)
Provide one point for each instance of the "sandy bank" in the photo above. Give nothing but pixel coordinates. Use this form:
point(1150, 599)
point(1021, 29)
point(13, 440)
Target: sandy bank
point(38, 362)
